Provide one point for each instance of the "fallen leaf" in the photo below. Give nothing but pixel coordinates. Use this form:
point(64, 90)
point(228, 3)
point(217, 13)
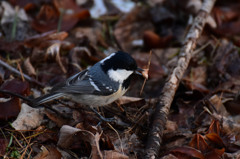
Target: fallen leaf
point(54, 50)
point(16, 86)
point(29, 118)
point(152, 40)
point(114, 154)
point(196, 79)
point(214, 127)
point(171, 126)
point(3, 146)
point(48, 17)
point(10, 107)
point(68, 135)
point(217, 103)
point(29, 67)
point(49, 152)
point(215, 138)
point(215, 154)
point(187, 151)
point(45, 39)
point(198, 142)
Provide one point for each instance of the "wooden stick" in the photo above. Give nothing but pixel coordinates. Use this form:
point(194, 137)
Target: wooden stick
point(163, 106)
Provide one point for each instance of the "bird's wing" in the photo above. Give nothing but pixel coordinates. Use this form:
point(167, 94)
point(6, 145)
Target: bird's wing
point(82, 83)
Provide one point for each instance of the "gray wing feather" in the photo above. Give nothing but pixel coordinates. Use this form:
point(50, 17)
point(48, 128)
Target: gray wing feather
point(80, 84)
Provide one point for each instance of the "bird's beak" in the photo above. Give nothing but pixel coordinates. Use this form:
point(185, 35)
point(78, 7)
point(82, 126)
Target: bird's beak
point(142, 72)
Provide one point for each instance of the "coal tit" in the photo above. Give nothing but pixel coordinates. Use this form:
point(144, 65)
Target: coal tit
point(100, 85)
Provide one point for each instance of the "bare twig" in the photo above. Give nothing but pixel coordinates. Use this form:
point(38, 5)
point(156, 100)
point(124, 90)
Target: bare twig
point(162, 108)
point(4, 64)
point(149, 62)
point(16, 95)
point(117, 135)
point(21, 72)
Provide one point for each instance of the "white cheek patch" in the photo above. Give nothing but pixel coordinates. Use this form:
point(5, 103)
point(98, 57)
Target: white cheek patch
point(102, 61)
point(119, 75)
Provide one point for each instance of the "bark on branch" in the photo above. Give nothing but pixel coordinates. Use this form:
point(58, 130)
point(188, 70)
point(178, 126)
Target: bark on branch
point(169, 89)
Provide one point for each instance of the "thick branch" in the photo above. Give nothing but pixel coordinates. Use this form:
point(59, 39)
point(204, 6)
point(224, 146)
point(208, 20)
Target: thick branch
point(169, 89)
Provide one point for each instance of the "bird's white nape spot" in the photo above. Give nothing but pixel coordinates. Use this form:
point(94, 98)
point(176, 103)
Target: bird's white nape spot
point(119, 75)
point(102, 61)
point(93, 84)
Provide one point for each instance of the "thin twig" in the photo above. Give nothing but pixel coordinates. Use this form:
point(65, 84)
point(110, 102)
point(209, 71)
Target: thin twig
point(117, 135)
point(21, 72)
point(16, 95)
point(145, 79)
point(4, 64)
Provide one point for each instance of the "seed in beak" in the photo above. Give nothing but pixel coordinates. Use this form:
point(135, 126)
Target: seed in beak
point(142, 72)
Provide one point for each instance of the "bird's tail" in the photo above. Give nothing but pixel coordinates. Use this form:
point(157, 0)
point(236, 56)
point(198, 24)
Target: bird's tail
point(46, 98)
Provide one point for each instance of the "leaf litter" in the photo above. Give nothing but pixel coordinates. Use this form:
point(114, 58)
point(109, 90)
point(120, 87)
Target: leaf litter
point(48, 41)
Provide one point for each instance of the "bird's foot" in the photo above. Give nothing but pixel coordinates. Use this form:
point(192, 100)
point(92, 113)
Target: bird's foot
point(103, 119)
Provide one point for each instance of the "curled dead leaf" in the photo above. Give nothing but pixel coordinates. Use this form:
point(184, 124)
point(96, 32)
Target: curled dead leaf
point(29, 67)
point(54, 50)
point(68, 136)
point(215, 138)
point(48, 153)
point(198, 142)
point(28, 118)
point(45, 39)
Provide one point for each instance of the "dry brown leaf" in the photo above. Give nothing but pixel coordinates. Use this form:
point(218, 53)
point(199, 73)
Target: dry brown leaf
point(28, 118)
point(217, 103)
point(3, 146)
point(48, 153)
point(171, 126)
point(152, 40)
point(187, 151)
point(10, 107)
point(48, 16)
point(44, 40)
point(198, 142)
point(215, 153)
point(214, 127)
point(196, 79)
point(68, 135)
point(215, 138)
point(114, 154)
point(54, 50)
point(29, 67)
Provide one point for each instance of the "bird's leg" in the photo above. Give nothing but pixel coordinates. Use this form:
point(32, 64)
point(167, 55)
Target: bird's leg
point(101, 117)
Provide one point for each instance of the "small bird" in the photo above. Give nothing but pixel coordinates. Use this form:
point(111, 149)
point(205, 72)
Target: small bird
point(100, 85)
